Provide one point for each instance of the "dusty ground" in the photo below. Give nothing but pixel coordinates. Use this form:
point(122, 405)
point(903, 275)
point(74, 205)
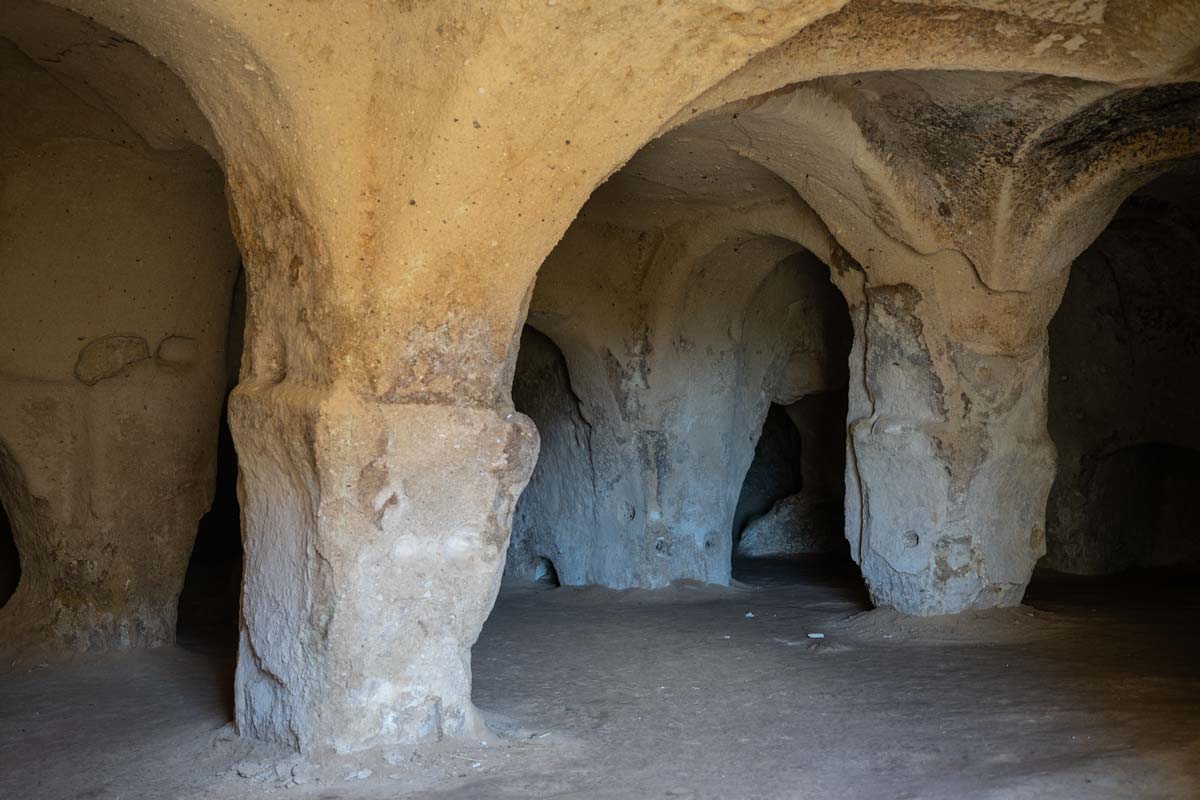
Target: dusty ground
point(1093, 692)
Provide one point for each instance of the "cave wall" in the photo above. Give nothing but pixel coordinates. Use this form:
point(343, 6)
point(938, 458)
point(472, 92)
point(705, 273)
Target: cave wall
point(116, 272)
point(396, 182)
point(676, 340)
point(1125, 356)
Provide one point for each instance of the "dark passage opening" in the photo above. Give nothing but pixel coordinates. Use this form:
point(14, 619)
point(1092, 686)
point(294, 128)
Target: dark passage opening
point(557, 508)
point(1125, 355)
point(1144, 510)
point(544, 572)
point(10, 559)
point(775, 472)
point(791, 505)
point(208, 604)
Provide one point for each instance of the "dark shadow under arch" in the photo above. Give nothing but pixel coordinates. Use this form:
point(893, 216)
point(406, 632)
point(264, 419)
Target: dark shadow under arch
point(10, 559)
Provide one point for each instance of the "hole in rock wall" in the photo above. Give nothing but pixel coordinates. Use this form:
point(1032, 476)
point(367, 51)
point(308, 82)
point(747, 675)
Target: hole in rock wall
point(792, 498)
point(10, 559)
point(544, 572)
point(779, 514)
point(1125, 370)
point(557, 506)
point(208, 604)
point(775, 472)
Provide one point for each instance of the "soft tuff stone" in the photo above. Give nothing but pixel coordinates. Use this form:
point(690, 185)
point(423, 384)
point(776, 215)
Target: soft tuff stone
point(108, 356)
point(799, 524)
point(687, 198)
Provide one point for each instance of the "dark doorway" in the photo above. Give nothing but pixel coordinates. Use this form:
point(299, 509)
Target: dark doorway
point(208, 605)
point(10, 559)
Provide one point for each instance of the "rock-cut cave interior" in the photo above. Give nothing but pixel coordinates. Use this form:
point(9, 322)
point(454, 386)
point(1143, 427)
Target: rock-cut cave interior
point(599, 399)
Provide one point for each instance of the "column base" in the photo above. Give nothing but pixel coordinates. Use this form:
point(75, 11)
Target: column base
point(375, 536)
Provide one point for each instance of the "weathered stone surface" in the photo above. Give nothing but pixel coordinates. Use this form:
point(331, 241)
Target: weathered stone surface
point(801, 524)
point(109, 356)
point(178, 350)
point(373, 554)
point(395, 181)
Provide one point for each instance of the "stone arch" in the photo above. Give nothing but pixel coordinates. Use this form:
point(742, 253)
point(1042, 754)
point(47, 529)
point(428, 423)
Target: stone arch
point(227, 96)
point(389, 287)
point(116, 297)
point(804, 430)
point(672, 298)
point(932, 297)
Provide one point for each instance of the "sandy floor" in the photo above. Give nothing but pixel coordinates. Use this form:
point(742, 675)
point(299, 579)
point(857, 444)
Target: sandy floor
point(1091, 692)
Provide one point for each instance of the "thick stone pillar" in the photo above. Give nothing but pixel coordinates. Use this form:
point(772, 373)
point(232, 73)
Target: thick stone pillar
point(375, 538)
point(949, 462)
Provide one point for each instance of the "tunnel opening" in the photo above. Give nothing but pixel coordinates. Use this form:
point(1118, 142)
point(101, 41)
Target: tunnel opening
point(209, 601)
point(553, 516)
point(791, 504)
point(10, 559)
point(545, 574)
point(779, 517)
point(1124, 352)
point(774, 473)
point(115, 284)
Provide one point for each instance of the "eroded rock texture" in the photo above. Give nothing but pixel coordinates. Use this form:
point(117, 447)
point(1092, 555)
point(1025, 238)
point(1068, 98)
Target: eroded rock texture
point(796, 525)
point(677, 336)
point(396, 179)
